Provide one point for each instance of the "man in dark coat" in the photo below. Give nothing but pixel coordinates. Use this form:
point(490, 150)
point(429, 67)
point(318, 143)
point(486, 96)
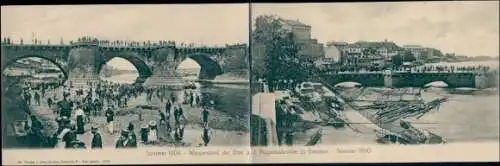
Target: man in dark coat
point(35, 134)
point(37, 98)
point(197, 100)
point(97, 107)
point(65, 107)
point(70, 137)
point(206, 136)
point(132, 143)
point(144, 133)
point(205, 116)
point(96, 138)
point(49, 102)
point(123, 140)
point(168, 106)
point(163, 119)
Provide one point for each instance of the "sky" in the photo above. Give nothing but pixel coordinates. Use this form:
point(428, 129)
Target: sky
point(208, 24)
point(466, 28)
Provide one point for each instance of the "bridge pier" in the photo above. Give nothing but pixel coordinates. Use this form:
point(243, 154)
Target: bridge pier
point(82, 66)
point(164, 73)
point(81, 61)
point(481, 81)
point(388, 79)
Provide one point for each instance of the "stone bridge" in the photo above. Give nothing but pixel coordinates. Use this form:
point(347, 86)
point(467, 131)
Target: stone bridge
point(82, 61)
point(468, 79)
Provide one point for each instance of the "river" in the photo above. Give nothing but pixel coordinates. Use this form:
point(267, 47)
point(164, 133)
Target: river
point(230, 99)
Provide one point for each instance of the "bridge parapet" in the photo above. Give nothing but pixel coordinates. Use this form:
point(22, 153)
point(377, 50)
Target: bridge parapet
point(472, 79)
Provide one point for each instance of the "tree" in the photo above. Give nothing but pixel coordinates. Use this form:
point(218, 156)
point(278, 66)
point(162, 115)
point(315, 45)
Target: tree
point(437, 53)
point(408, 56)
point(397, 60)
point(280, 59)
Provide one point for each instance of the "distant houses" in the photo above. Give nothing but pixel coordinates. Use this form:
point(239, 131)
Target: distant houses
point(376, 53)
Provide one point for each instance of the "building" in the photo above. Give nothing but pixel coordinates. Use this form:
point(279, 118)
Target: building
point(420, 53)
point(309, 48)
point(366, 54)
point(302, 35)
point(301, 31)
point(19, 71)
point(385, 48)
point(424, 54)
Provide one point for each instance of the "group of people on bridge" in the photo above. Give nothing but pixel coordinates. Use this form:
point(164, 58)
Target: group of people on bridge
point(124, 43)
point(280, 84)
point(418, 69)
point(110, 43)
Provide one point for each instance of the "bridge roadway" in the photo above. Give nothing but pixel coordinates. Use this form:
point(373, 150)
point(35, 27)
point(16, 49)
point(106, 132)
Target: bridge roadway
point(156, 63)
point(455, 79)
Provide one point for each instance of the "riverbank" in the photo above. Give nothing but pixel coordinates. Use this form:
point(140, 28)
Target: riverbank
point(226, 129)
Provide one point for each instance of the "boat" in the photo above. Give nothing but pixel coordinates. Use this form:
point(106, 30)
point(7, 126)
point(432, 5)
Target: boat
point(410, 135)
point(337, 119)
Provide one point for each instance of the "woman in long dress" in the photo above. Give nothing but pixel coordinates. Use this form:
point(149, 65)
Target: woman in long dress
point(79, 113)
point(153, 132)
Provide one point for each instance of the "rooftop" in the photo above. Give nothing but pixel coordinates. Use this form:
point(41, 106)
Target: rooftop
point(334, 43)
point(292, 22)
point(364, 44)
point(412, 46)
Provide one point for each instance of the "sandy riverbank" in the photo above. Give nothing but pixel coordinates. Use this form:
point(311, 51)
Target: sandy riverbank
point(226, 130)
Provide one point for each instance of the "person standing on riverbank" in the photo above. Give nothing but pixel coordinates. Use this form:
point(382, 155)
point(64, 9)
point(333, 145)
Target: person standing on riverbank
point(65, 107)
point(123, 140)
point(87, 108)
point(99, 106)
point(191, 99)
point(96, 138)
point(37, 98)
point(205, 113)
point(153, 133)
point(132, 143)
point(109, 119)
point(197, 99)
point(49, 102)
point(79, 113)
point(206, 136)
point(163, 119)
point(144, 133)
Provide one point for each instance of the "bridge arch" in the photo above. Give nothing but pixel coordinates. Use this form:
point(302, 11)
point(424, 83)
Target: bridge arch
point(348, 84)
point(210, 68)
point(7, 62)
point(142, 67)
point(437, 84)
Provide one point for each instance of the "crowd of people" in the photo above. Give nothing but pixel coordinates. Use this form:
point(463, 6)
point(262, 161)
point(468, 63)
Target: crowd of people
point(113, 43)
point(418, 69)
point(126, 43)
point(78, 107)
point(280, 84)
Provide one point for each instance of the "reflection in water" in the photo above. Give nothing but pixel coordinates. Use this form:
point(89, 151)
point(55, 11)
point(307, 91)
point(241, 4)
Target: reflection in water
point(233, 101)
